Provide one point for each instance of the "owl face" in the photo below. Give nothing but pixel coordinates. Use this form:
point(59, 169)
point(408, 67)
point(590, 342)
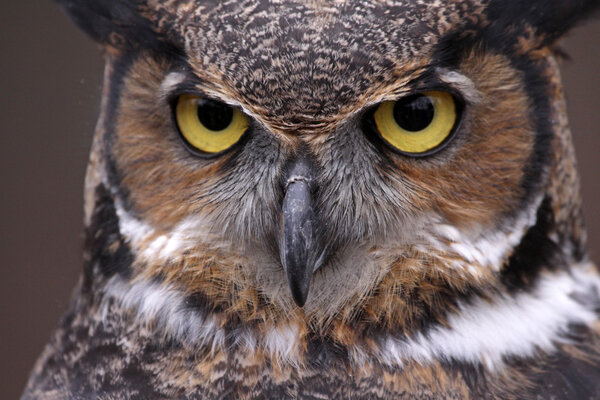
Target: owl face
point(326, 164)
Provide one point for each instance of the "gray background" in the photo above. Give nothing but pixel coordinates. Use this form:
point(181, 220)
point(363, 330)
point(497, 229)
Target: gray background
point(50, 76)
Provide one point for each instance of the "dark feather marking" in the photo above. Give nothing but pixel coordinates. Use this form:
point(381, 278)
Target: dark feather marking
point(91, 359)
point(106, 247)
point(199, 302)
point(550, 18)
point(474, 375)
point(117, 23)
point(563, 376)
point(323, 352)
point(120, 68)
point(558, 376)
point(537, 87)
point(536, 251)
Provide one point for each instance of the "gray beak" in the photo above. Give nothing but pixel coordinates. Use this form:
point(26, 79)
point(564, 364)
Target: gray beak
point(301, 248)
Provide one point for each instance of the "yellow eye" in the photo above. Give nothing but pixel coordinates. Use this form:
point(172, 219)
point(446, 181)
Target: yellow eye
point(209, 126)
point(417, 124)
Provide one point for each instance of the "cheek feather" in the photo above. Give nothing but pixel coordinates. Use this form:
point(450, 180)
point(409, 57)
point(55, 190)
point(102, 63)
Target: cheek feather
point(483, 175)
point(490, 249)
point(166, 184)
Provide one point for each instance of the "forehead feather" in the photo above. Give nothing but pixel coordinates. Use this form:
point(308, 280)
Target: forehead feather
point(308, 60)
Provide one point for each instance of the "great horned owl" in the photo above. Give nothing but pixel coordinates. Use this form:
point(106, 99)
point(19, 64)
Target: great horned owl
point(344, 199)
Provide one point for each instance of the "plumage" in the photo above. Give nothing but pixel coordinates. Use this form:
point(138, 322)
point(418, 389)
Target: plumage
point(315, 258)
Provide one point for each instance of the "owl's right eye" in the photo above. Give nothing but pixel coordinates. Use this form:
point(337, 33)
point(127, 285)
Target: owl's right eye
point(207, 125)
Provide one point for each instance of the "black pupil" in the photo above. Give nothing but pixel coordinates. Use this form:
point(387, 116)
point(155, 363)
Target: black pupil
point(214, 115)
point(414, 113)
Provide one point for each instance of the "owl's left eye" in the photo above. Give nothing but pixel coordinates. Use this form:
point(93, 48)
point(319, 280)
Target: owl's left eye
point(419, 124)
point(207, 125)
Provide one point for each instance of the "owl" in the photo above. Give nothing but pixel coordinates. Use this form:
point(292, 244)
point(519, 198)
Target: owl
point(352, 199)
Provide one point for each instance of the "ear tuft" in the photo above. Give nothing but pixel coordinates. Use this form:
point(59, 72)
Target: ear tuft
point(114, 23)
point(550, 19)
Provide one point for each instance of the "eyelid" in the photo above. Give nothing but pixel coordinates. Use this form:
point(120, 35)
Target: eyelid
point(172, 82)
point(460, 84)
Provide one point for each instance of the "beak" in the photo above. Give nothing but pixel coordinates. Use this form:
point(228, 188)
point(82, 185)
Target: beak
point(300, 244)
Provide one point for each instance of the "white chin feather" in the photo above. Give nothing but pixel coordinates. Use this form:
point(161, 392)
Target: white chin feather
point(482, 332)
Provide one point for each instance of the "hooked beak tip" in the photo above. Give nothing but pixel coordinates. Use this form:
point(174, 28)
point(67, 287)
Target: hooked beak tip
point(299, 274)
point(299, 295)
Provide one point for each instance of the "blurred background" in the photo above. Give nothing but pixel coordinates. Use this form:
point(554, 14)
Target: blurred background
point(49, 100)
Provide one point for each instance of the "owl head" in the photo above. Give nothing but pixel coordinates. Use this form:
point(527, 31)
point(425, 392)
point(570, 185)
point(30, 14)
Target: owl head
point(339, 167)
